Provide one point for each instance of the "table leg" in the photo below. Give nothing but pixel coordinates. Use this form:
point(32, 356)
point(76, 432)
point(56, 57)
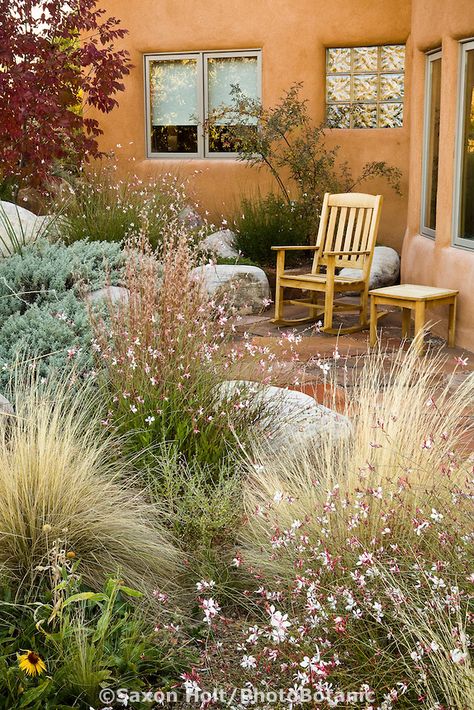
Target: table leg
point(373, 322)
point(452, 323)
point(420, 309)
point(406, 322)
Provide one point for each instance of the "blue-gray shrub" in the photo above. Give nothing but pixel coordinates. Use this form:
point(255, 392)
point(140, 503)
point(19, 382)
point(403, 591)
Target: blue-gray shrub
point(42, 313)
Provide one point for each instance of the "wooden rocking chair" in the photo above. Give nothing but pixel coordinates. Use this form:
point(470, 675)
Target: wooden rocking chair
point(346, 238)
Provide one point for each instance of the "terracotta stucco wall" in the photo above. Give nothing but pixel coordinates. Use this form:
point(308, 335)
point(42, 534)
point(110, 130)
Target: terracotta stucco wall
point(437, 23)
point(293, 36)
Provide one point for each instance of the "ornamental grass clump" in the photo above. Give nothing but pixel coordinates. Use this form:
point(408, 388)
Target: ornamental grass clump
point(60, 478)
point(107, 207)
point(411, 422)
point(362, 554)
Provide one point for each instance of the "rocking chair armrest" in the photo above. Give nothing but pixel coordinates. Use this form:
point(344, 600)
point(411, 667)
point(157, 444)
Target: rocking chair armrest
point(296, 248)
point(346, 253)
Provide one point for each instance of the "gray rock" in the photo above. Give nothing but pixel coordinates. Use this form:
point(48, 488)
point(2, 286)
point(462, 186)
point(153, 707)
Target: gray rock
point(385, 269)
point(221, 244)
point(19, 226)
point(288, 418)
point(5, 406)
point(116, 294)
point(246, 288)
point(190, 217)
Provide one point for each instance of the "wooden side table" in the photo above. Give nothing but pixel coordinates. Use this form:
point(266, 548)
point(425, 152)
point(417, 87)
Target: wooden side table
point(410, 297)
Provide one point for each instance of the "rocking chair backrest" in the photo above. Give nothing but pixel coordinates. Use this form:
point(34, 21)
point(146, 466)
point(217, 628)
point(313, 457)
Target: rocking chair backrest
point(349, 223)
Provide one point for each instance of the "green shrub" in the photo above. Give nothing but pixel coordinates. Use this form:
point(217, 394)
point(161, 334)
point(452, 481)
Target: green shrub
point(270, 221)
point(202, 506)
point(293, 149)
point(87, 641)
point(43, 272)
point(41, 310)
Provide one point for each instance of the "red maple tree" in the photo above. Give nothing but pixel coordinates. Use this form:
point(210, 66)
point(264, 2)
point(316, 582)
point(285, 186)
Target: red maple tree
point(57, 59)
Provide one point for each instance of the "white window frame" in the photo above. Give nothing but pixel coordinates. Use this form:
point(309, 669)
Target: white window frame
point(466, 46)
point(202, 84)
point(430, 58)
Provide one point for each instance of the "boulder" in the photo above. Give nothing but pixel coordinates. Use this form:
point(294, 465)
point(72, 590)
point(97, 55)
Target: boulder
point(246, 288)
point(116, 294)
point(19, 226)
point(221, 244)
point(190, 217)
point(385, 269)
point(31, 199)
point(289, 418)
point(5, 406)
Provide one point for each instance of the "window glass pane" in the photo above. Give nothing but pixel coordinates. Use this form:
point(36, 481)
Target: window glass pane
point(365, 59)
point(432, 144)
point(226, 72)
point(174, 105)
point(222, 74)
point(466, 221)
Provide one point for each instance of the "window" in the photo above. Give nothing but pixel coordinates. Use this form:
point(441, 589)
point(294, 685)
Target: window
point(365, 86)
point(431, 143)
point(464, 176)
point(183, 90)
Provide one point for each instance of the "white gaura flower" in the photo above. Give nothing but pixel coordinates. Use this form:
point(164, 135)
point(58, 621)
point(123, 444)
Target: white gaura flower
point(248, 662)
point(278, 497)
point(437, 517)
point(279, 623)
point(458, 656)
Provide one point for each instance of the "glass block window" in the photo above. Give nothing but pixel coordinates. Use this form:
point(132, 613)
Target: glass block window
point(365, 86)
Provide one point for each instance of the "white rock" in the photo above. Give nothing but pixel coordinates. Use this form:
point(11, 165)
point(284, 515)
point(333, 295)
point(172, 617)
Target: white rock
point(5, 406)
point(245, 287)
point(385, 269)
point(289, 418)
point(116, 294)
point(221, 244)
point(19, 226)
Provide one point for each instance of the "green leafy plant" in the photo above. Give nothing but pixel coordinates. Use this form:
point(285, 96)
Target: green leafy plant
point(86, 640)
point(269, 221)
point(202, 505)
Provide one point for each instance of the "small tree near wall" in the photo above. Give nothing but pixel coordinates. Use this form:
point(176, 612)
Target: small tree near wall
point(57, 59)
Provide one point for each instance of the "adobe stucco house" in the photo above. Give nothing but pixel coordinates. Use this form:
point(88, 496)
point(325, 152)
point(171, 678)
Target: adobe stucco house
point(399, 88)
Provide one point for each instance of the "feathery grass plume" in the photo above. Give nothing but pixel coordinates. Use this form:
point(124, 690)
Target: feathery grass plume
point(60, 479)
point(410, 426)
point(361, 551)
point(431, 620)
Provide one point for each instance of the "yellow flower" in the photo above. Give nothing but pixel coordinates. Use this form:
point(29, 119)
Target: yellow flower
point(31, 663)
